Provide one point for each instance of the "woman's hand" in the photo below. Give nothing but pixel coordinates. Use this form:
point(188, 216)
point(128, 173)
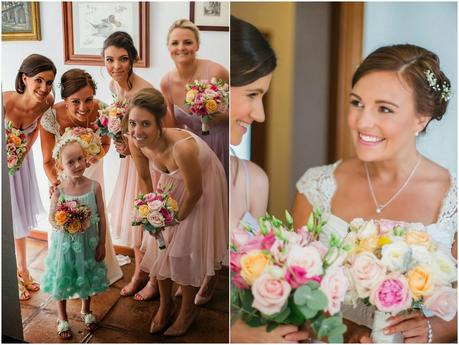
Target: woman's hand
point(122, 148)
point(242, 333)
point(413, 326)
point(358, 334)
point(53, 188)
point(91, 160)
point(100, 251)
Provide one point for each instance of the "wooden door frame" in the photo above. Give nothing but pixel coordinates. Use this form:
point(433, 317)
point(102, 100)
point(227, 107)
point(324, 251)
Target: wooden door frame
point(346, 53)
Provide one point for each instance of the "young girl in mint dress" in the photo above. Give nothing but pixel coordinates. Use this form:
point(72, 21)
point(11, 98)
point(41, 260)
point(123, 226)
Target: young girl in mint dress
point(74, 265)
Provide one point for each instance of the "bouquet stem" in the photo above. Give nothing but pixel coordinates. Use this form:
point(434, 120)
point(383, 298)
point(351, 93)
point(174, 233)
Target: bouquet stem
point(160, 241)
point(379, 323)
point(204, 128)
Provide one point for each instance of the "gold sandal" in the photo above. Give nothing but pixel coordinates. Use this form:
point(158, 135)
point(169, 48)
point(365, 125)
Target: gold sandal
point(24, 294)
point(30, 284)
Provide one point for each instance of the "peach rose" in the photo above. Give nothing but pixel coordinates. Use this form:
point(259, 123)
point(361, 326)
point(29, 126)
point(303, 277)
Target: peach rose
point(270, 294)
point(144, 210)
point(211, 106)
point(252, 265)
point(74, 227)
point(15, 140)
point(420, 281)
point(418, 237)
point(172, 204)
point(60, 217)
point(86, 138)
point(366, 271)
point(443, 303)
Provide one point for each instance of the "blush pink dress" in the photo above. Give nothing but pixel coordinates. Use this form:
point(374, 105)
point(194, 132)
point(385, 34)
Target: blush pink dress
point(196, 247)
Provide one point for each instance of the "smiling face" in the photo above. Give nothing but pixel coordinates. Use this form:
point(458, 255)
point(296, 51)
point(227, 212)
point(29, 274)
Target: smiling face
point(40, 85)
point(81, 103)
point(117, 63)
point(382, 117)
point(142, 127)
point(182, 45)
point(247, 106)
point(72, 160)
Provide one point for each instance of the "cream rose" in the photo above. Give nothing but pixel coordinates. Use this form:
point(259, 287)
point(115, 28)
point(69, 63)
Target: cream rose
point(396, 256)
point(443, 303)
point(366, 271)
point(93, 149)
point(114, 125)
point(155, 205)
point(334, 284)
point(307, 258)
point(370, 229)
point(270, 294)
point(156, 219)
point(445, 267)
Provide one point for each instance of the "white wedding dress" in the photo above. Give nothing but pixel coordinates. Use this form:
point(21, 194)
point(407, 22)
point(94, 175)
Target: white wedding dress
point(96, 173)
point(318, 185)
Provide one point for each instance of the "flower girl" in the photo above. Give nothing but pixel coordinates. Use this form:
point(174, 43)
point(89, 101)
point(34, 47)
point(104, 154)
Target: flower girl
point(74, 265)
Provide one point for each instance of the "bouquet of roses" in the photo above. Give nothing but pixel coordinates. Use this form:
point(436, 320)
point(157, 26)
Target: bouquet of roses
point(154, 211)
point(110, 117)
point(16, 147)
point(91, 142)
point(286, 276)
point(395, 267)
point(72, 216)
point(206, 98)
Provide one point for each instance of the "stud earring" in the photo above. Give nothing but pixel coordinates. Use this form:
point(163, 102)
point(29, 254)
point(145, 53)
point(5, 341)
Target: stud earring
point(416, 133)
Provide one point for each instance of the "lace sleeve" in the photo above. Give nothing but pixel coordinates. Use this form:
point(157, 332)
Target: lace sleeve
point(447, 220)
point(318, 185)
point(49, 122)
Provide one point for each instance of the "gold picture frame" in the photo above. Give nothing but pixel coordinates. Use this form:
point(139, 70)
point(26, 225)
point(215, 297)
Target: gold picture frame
point(21, 21)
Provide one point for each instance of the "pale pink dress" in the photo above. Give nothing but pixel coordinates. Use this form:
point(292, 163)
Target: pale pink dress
point(197, 246)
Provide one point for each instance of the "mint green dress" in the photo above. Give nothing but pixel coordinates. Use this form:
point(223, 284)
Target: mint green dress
point(71, 270)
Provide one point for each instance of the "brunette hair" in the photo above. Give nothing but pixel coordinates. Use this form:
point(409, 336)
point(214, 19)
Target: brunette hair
point(251, 55)
point(151, 100)
point(184, 24)
point(74, 80)
point(412, 63)
point(121, 39)
point(31, 66)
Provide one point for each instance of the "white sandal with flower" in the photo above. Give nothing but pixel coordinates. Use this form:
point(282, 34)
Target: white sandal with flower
point(63, 329)
point(89, 321)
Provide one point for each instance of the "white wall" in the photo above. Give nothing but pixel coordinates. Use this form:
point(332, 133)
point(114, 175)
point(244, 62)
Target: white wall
point(434, 27)
point(214, 46)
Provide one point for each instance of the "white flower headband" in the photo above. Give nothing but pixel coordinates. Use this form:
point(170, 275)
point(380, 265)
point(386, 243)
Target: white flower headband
point(65, 139)
point(444, 90)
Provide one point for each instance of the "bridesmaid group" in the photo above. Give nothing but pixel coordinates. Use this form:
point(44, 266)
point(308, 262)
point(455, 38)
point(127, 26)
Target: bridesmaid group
point(162, 143)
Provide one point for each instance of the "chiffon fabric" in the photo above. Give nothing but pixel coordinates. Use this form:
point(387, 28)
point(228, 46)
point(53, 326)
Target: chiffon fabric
point(196, 247)
point(26, 204)
point(94, 172)
point(71, 270)
point(318, 185)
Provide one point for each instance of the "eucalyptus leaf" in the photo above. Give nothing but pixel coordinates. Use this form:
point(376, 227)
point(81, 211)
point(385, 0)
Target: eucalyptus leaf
point(271, 326)
point(318, 300)
point(313, 284)
point(302, 295)
point(308, 313)
point(336, 339)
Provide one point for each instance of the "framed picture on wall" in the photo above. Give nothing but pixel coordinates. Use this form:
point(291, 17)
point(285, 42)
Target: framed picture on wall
point(20, 21)
point(88, 24)
point(210, 15)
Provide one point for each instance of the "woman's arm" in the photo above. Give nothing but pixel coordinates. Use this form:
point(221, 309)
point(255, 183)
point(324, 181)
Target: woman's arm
point(259, 190)
point(186, 157)
point(52, 207)
point(220, 72)
point(47, 144)
point(242, 333)
point(100, 250)
point(169, 119)
point(301, 210)
point(142, 167)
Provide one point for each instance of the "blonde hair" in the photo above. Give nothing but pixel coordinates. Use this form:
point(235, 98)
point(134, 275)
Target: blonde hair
point(184, 24)
point(63, 142)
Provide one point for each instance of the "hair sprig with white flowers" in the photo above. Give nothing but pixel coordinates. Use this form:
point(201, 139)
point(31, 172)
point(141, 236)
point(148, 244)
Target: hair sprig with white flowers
point(64, 140)
point(444, 90)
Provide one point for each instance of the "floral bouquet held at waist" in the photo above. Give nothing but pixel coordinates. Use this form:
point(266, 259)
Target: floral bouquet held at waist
point(285, 276)
point(71, 216)
point(207, 98)
point(16, 148)
point(397, 267)
point(110, 117)
point(155, 211)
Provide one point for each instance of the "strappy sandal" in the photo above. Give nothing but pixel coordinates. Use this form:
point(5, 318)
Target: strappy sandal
point(89, 321)
point(139, 297)
point(24, 294)
point(29, 283)
point(127, 292)
point(63, 327)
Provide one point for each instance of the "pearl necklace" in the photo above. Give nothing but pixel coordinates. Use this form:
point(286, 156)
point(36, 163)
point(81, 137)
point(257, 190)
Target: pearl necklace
point(381, 207)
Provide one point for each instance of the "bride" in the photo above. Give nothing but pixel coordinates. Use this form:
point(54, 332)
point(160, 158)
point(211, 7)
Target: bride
point(396, 92)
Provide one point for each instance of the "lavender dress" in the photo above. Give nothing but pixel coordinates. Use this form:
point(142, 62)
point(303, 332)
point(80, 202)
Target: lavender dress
point(25, 197)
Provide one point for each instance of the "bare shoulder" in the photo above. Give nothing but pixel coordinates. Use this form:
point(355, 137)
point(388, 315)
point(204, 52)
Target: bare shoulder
point(217, 70)
point(258, 176)
point(142, 83)
point(435, 173)
point(111, 86)
point(97, 187)
point(185, 148)
point(349, 168)
point(8, 97)
point(164, 83)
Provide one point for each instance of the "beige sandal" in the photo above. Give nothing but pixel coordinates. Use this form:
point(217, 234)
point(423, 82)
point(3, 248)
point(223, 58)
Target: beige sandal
point(89, 321)
point(62, 327)
point(24, 294)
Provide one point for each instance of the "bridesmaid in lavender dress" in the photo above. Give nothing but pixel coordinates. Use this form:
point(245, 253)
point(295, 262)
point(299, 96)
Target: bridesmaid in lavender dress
point(24, 108)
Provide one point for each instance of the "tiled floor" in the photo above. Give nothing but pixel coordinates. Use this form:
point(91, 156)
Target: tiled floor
point(121, 319)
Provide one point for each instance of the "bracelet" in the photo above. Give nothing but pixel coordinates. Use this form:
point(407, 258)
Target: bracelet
point(429, 331)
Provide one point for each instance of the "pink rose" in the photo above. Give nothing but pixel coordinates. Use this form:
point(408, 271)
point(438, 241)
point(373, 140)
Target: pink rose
point(235, 262)
point(239, 282)
point(268, 240)
point(269, 294)
point(12, 161)
point(155, 205)
point(296, 276)
point(366, 272)
point(334, 284)
point(239, 237)
point(306, 257)
point(114, 125)
point(149, 197)
point(254, 243)
point(443, 302)
point(156, 219)
point(391, 294)
point(104, 121)
point(305, 235)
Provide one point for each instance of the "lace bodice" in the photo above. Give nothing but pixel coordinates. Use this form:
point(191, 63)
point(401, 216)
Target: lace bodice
point(50, 124)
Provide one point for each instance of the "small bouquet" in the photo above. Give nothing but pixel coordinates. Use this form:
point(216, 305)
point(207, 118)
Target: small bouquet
point(90, 139)
point(154, 211)
point(16, 147)
point(206, 98)
point(395, 266)
point(110, 117)
point(286, 276)
point(72, 216)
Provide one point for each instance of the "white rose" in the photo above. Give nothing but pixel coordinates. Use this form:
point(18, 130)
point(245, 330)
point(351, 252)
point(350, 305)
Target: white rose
point(396, 256)
point(156, 219)
point(420, 255)
point(293, 237)
point(366, 271)
point(370, 229)
point(444, 267)
point(307, 258)
point(335, 257)
point(155, 205)
point(334, 285)
point(356, 224)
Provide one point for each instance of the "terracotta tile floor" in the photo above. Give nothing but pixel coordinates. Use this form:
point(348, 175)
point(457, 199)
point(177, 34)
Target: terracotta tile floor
point(121, 319)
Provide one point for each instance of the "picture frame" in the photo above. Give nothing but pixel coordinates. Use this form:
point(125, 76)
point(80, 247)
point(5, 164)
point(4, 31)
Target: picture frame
point(210, 15)
point(21, 21)
point(87, 24)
